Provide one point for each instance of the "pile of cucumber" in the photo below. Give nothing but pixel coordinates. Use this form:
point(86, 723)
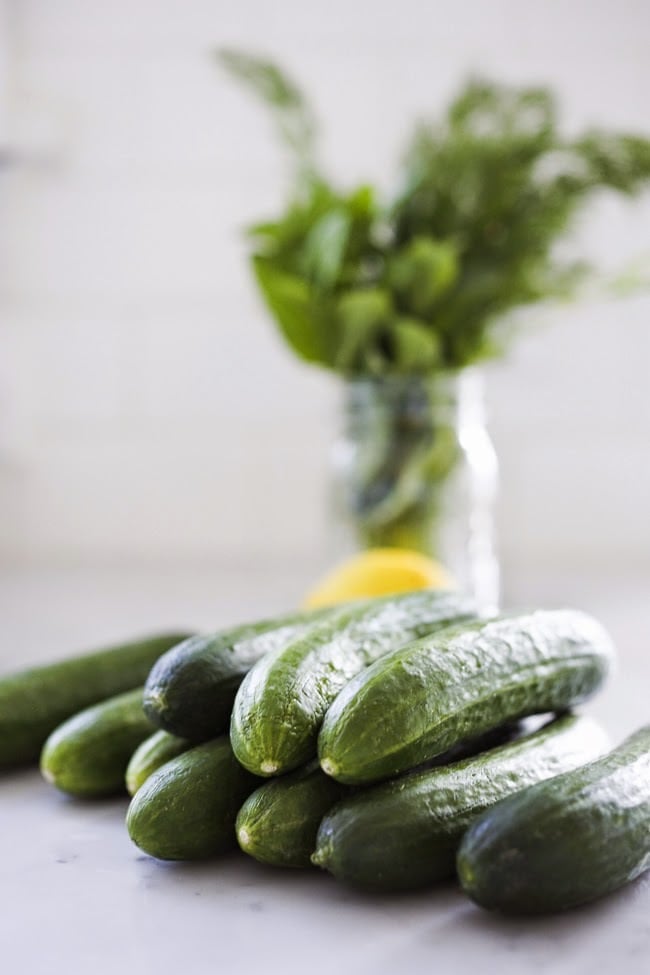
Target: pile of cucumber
point(389, 741)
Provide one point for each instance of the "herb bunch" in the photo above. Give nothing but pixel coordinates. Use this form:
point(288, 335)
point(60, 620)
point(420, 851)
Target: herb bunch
point(422, 281)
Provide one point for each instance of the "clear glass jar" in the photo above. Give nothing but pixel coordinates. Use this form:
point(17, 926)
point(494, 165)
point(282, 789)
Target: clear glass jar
point(415, 468)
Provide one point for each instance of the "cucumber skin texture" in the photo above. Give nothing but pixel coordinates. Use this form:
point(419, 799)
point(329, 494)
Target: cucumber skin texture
point(190, 691)
point(278, 822)
point(404, 834)
point(282, 701)
point(566, 842)
point(154, 751)
point(88, 754)
point(186, 810)
point(419, 700)
point(34, 702)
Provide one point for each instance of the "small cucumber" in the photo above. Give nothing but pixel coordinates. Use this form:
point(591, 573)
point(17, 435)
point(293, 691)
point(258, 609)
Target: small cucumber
point(564, 842)
point(186, 810)
point(278, 823)
point(88, 754)
point(154, 751)
point(281, 702)
point(419, 700)
point(34, 702)
point(191, 689)
point(404, 833)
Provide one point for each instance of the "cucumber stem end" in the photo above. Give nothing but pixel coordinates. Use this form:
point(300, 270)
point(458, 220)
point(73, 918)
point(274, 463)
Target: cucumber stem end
point(329, 767)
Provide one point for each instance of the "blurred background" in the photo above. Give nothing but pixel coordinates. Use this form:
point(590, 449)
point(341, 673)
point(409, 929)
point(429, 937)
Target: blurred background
point(149, 414)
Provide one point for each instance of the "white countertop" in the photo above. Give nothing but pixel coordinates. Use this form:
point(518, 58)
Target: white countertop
point(77, 896)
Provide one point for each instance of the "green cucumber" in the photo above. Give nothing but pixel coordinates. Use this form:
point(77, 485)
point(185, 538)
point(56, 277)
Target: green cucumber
point(191, 689)
point(34, 702)
point(416, 702)
point(278, 823)
point(186, 810)
point(281, 702)
point(404, 833)
point(88, 754)
point(154, 751)
point(564, 842)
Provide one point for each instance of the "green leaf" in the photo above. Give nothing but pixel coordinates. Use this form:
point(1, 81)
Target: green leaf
point(484, 110)
point(324, 248)
point(415, 348)
point(265, 229)
point(361, 203)
point(284, 239)
point(301, 320)
point(293, 116)
point(620, 162)
point(361, 315)
point(421, 272)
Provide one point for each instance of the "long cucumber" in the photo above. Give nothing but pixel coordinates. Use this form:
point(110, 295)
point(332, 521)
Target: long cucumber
point(419, 700)
point(564, 842)
point(34, 702)
point(281, 702)
point(404, 833)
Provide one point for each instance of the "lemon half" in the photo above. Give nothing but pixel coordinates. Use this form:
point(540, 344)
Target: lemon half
point(378, 572)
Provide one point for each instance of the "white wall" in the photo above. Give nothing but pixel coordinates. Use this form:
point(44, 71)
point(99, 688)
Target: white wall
point(147, 409)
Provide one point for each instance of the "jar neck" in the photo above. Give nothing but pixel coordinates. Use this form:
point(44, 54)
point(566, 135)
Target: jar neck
point(454, 398)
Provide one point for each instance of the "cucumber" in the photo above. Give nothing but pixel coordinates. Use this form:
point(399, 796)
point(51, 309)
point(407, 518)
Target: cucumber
point(154, 751)
point(88, 754)
point(404, 834)
point(278, 823)
point(419, 700)
point(186, 810)
point(191, 689)
point(564, 842)
point(34, 702)
point(281, 702)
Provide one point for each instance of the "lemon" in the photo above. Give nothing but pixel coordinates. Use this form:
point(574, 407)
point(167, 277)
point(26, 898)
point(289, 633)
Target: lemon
point(378, 572)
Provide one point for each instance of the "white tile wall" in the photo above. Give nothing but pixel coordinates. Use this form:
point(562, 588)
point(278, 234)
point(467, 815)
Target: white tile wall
point(147, 409)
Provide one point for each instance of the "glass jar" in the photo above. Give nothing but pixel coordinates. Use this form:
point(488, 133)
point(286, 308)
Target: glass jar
point(415, 468)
